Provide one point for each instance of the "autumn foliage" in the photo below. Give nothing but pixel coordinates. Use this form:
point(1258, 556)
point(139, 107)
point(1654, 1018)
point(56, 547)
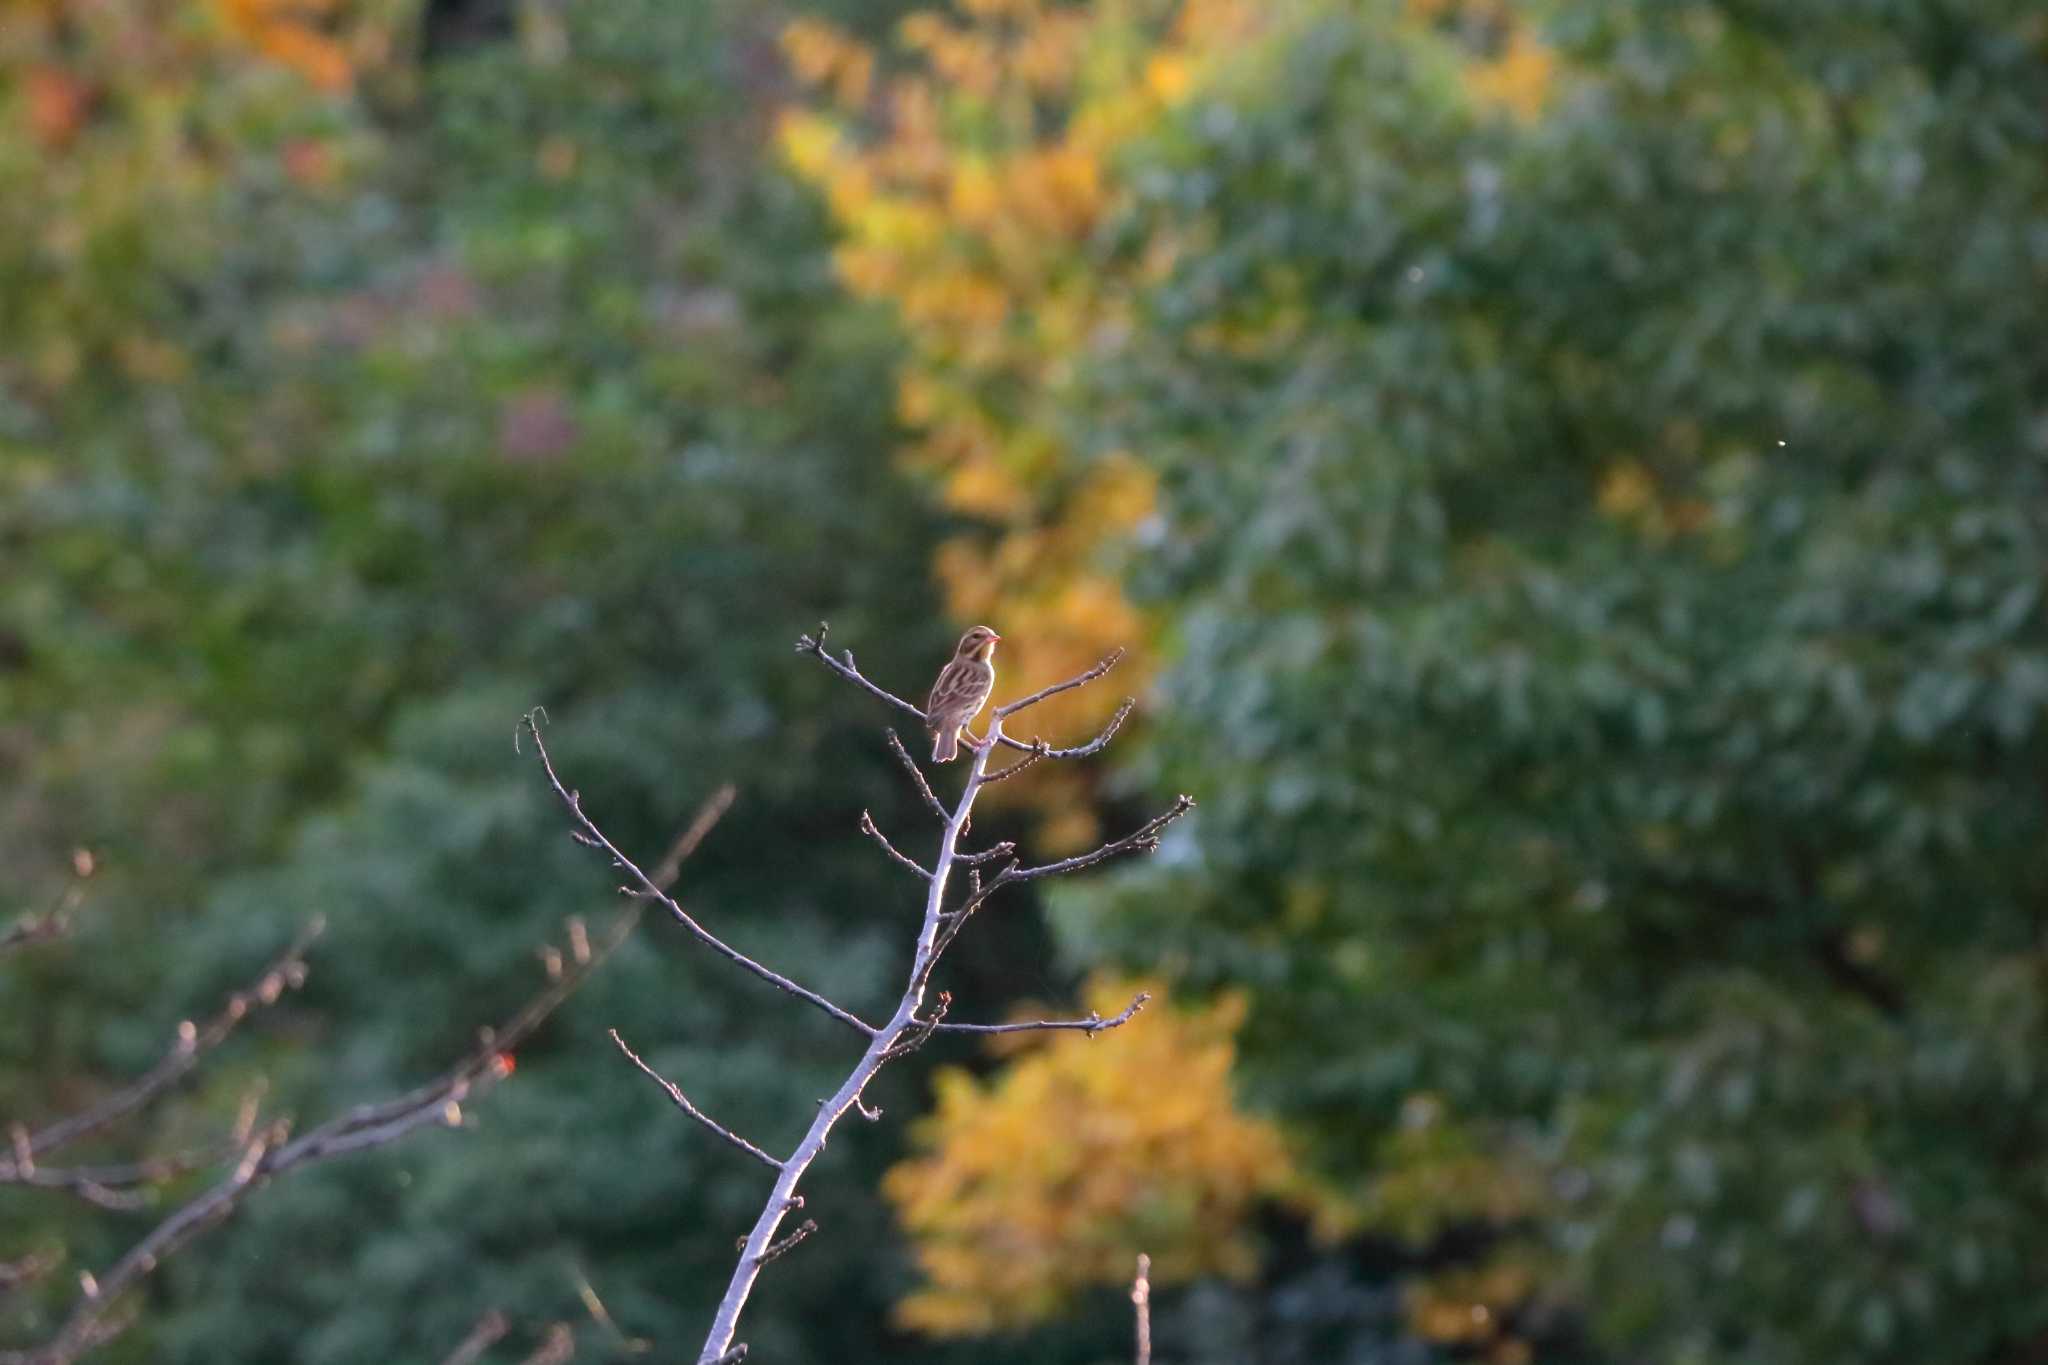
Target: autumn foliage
point(1036, 1184)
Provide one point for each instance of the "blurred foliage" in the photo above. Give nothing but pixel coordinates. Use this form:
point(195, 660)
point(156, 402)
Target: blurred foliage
point(1574, 475)
point(1604, 536)
point(968, 171)
point(341, 421)
point(1039, 1182)
point(1599, 538)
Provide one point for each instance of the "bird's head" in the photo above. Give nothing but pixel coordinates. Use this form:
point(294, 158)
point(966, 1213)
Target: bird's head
point(978, 643)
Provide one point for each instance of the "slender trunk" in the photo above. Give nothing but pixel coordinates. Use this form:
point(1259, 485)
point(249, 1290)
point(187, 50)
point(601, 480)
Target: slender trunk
point(781, 1200)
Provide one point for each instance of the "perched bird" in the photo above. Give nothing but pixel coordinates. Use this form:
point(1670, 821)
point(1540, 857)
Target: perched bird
point(961, 691)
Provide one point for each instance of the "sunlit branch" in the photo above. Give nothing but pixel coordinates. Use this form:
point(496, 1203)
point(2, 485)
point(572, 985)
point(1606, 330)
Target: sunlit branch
point(1141, 1303)
point(1091, 1025)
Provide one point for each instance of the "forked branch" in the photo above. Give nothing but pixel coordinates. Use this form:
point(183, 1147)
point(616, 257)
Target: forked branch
point(906, 1029)
point(847, 669)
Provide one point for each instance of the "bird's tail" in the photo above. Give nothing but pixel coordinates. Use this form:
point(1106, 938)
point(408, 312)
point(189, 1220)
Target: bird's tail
point(946, 744)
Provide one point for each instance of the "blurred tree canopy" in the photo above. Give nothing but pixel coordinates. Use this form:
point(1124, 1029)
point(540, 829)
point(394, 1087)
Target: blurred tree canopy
point(1574, 473)
point(347, 413)
point(1599, 542)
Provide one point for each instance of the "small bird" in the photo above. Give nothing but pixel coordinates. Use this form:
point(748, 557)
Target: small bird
point(961, 691)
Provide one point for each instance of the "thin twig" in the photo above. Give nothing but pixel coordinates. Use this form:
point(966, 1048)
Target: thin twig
point(268, 1154)
point(924, 786)
point(34, 927)
point(803, 1230)
point(1109, 661)
point(556, 1348)
point(868, 827)
point(489, 1330)
point(42, 926)
point(1091, 1026)
point(1143, 839)
point(1141, 1302)
point(846, 669)
point(1040, 750)
point(602, 1316)
point(1002, 850)
point(596, 838)
point(112, 1187)
point(701, 824)
point(28, 1269)
point(190, 1043)
point(918, 1031)
point(683, 1103)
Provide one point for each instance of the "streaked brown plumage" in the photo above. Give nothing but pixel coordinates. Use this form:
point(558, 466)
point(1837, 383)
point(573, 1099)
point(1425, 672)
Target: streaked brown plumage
point(962, 690)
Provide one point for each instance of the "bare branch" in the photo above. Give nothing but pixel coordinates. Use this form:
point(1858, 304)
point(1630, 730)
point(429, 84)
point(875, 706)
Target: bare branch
point(1143, 839)
point(1092, 747)
point(867, 827)
point(1111, 660)
point(683, 1103)
point(924, 786)
point(806, 645)
point(269, 1154)
point(595, 837)
point(804, 1229)
point(490, 1329)
point(906, 1030)
point(1040, 750)
point(1091, 1026)
point(113, 1187)
point(601, 1315)
point(191, 1042)
point(27, 1270)
point(917, 1032)
point(82, 1331)
point(701, 824)
point(846, 669)
point(1141, 1302)
point(43, 926)
point(558, 1346)
point(34, 927)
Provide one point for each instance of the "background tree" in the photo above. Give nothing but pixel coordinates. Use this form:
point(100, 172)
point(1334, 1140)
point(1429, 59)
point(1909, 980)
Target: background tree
point(1608, 541)
point(1597, 453)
